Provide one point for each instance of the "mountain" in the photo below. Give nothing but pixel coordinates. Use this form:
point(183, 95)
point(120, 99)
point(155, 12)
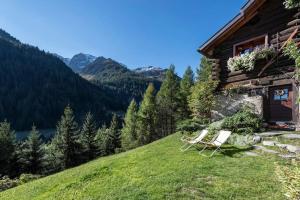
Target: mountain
point(65, 60)
point(111, 74)
point(79, 61)
point(36, 87)
point(6, 36)
point(151, 72)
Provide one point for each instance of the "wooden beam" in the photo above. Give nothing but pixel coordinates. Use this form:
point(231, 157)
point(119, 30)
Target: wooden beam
point(278, 52)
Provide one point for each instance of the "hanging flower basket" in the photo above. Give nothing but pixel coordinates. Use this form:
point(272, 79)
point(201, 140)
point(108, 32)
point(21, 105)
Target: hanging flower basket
point(247, 61)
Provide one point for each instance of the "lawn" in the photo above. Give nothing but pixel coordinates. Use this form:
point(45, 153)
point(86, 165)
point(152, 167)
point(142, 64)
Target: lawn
point(160, 171)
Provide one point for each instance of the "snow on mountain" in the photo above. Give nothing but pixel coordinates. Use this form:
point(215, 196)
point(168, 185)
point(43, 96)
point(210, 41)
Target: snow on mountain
point(81, 60)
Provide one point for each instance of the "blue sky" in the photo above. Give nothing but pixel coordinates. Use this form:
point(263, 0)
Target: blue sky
point(134, 32)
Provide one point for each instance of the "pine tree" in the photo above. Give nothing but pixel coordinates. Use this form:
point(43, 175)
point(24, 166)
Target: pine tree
point(129, 130)
point(168, 102)
point(147, 117)
point(88, 133)
point(7, 147)
point(186, 84)
point(204, 72)
point(32, 154)
point(66, 143)
point(202, 99)
point(114, 135)
point(104, 144)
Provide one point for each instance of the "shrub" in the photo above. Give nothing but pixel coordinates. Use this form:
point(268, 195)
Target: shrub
point(289, 4)
point(243, 122)
point(191, 125)
point(289, 176)
point(240, 140)
point(25, 178)
point(7, 183)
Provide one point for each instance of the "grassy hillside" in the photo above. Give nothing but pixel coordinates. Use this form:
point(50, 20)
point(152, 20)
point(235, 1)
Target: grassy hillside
point(160, 171)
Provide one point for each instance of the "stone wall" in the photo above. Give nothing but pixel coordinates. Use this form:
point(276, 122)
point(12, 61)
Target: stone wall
point(228, 105)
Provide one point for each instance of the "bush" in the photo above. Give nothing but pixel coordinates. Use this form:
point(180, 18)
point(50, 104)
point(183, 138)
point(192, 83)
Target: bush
point(289, 176)
point(191, 125)
point(243, 122)
point(7, 183)
point(25, 178)
point(240, 140)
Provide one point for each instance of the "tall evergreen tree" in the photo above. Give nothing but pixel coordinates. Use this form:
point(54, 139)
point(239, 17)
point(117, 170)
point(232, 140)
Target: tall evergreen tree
point(104, 144)
point(66, 143)
point(32, 154)
point(88, 140)
point(186, 84)
point(129, 130)
point(7, 147)
point(147, 117)
point(204, 72)
point(168, 102)
point(114, 135)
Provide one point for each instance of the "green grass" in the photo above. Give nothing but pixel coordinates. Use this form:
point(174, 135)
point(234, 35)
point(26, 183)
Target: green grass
point(160, 171)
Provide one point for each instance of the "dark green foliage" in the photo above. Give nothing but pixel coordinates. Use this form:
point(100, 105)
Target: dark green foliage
point(146, 122)
point(7, 148)
point(243, 122)
point(7, 183)
point(168, 102)
point(129, 130)
point(204, 71)
point(36, 86)
point(88, 137)
point(191, 125)
point(66, 144)
point(104, 143)
point(114, 135)
point(186, 85)
point(32, 153)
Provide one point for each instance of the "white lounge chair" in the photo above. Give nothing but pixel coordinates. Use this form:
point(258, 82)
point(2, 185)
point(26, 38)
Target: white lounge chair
point(189, 142)
point(216, 142)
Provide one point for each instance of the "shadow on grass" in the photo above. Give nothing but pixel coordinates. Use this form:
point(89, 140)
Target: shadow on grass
point(228, 150)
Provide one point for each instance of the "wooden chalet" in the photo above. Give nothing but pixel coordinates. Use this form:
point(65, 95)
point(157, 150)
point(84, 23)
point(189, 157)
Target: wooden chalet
point(260, 23)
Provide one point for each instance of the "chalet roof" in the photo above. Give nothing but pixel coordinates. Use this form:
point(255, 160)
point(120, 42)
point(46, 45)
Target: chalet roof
point(248, 11)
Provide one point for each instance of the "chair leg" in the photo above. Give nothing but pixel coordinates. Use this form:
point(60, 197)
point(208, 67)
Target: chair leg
point(200, 152)
point(185, 147)
point(214, 152)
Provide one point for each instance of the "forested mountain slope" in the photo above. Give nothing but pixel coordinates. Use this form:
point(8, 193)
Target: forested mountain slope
point(124, 82)
point(36, 86)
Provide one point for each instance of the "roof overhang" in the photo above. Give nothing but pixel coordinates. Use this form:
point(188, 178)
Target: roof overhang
point(248, 11)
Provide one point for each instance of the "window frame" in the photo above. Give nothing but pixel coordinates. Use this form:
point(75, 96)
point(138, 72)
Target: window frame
point(265, 36)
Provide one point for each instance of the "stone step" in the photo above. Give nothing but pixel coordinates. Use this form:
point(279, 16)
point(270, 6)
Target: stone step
point(264, 149)
point(288, 156)
point(270, 134)
point(269, 143)
point(291, 136)
point(253, 154)
point(290, 148)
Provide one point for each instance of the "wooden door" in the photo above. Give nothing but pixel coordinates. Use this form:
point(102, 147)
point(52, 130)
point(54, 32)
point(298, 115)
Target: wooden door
point(281, 103)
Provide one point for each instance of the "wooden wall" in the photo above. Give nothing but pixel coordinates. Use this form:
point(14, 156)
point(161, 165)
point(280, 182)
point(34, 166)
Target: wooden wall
point(272, 19)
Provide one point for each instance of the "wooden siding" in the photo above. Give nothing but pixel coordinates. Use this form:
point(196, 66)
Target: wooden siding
point(272, 19)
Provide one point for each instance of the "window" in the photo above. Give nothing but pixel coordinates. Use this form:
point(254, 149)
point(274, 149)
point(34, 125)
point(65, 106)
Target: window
point(249, 45)
point(280, 95)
